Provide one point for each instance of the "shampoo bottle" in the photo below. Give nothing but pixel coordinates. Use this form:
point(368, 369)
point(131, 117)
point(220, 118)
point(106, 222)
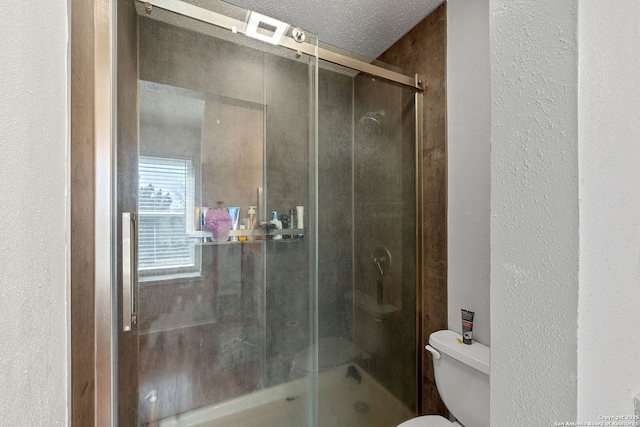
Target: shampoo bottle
point(250, 223)
point(275, 223)
point(292, 218)
point(300, 220)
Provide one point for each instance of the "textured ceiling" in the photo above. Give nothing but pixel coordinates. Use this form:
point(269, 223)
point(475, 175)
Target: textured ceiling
point(366, 27)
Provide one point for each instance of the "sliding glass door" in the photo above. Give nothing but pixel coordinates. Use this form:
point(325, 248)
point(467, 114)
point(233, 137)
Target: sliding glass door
point(215, 131)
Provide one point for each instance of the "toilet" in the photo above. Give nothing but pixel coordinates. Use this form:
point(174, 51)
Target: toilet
point(462, 378)
point(332, 352)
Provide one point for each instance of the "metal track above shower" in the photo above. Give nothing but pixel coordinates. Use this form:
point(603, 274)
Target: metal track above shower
point(255, 28)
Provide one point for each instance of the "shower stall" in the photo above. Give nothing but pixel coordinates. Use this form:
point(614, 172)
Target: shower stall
point(260, 224)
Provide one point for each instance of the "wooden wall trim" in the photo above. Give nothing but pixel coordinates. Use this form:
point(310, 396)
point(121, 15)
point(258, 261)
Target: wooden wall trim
point(82, 213)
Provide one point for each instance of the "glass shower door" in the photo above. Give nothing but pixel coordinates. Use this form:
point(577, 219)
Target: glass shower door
point(366, 250)
point(215, 132)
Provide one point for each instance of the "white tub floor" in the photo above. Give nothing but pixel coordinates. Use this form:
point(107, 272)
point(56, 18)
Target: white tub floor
point(343, 402)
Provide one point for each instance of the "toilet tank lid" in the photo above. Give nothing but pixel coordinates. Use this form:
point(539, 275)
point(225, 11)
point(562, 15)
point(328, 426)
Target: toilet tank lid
point(476, 355)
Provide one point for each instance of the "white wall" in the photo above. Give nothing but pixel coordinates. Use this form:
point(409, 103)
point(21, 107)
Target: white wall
point(565, 202)
point(609, 347)
point(469, 180)
point(534, 211)
point(34, 229)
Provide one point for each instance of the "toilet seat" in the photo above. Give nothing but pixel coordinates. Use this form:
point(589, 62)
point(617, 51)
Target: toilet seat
point(429, 421)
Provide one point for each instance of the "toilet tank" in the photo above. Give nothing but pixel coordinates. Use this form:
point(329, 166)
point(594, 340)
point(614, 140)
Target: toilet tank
point(462, 377)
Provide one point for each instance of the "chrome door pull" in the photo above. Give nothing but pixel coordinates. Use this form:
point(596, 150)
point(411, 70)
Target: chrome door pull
point(128, 270)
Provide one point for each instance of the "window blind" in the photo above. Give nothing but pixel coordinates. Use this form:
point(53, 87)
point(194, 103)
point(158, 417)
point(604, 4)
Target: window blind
point(165, 213)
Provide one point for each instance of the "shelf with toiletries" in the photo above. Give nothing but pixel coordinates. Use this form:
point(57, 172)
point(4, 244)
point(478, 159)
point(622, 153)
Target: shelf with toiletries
point(252, 236)
point(222, 225)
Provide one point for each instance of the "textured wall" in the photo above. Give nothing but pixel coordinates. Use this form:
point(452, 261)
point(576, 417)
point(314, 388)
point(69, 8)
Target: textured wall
point(33, 254)
point(468, 153)
point(609, 355)
point(534, 211)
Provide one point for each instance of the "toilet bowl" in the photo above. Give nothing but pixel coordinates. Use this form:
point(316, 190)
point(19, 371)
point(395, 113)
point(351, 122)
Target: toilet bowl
point(332, 352)
point(462, 378)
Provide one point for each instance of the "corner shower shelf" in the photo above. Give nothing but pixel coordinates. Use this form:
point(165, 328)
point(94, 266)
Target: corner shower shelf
point(258, 236)
point(368, 303)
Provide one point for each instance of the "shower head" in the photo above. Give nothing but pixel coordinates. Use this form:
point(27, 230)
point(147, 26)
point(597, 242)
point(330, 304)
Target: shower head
point(370, 123)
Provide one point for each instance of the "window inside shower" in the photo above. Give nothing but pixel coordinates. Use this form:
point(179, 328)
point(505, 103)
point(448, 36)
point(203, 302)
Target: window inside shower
point(166, 197)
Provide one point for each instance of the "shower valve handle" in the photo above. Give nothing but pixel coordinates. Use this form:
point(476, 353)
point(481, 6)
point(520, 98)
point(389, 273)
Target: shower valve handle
point(377, 262)
point(381, 258)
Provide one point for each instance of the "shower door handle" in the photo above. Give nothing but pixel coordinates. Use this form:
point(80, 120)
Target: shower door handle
point(128, 270)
